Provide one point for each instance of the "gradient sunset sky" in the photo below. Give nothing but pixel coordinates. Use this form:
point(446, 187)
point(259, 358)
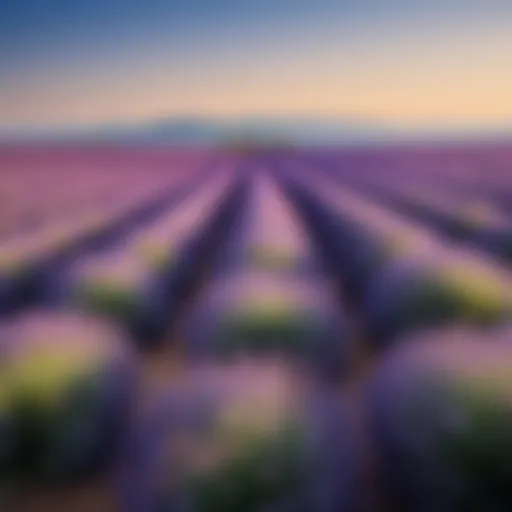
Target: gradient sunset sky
point(404, 62)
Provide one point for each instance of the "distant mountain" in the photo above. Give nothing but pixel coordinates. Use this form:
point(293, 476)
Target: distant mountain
point(198, 131)
point(205, 131)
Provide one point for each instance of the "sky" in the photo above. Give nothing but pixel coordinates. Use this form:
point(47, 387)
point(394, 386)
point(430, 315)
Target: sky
point(398, 62)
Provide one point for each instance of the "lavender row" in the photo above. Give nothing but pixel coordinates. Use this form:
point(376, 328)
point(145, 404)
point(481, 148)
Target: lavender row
point(480, 224)
point(30, 259)
point(252, 435)
point(37, 189)
point(401, 275)
point(245, 435)
point(67, 389)
point(440, 413)
point(269, 294)
point(140, 282)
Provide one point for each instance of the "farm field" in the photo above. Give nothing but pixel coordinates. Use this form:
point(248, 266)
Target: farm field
point(256, 329)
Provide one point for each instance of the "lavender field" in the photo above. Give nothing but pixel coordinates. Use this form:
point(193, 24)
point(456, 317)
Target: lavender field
point(256, 329)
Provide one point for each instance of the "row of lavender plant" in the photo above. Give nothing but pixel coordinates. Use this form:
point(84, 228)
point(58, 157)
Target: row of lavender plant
point(269, 290)
point(438, 399)
point(259, 435)
point(139, 280)
point(36, 190)
point(70, 380)
point(480, 223)
point(401, 274)
point(30, 258)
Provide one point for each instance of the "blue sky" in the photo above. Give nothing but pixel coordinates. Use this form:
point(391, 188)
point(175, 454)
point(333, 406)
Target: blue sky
point(96, 61)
